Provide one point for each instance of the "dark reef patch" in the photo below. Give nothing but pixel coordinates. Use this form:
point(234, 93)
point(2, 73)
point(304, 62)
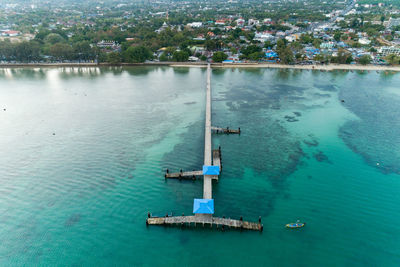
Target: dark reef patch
point(325, 87)
point(72, 220)
point(290, 118)
point(375, 134)
point(313, 142)
point(321, 157)
point(297, 113)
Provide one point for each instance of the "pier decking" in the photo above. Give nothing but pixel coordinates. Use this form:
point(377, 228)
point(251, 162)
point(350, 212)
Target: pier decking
point(184, 175)
point(225, 130)
point(193, 175)
point(205, 220)
point(211, 158)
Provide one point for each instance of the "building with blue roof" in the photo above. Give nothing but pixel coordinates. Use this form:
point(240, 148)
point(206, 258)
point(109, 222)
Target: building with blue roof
point(211, 170)
point(203, 206)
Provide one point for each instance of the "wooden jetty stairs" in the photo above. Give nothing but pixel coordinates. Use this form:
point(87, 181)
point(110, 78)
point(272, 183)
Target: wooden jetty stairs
point(211, 158)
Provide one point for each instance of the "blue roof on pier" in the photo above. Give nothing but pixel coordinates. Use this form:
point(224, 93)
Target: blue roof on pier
point(210, 170)
point(203, 206)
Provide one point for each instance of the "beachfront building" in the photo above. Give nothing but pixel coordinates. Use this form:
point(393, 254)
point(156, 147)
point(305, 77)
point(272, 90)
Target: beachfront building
point(388, 50)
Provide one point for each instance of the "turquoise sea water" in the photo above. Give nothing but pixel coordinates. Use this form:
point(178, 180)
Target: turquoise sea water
point(84, 150)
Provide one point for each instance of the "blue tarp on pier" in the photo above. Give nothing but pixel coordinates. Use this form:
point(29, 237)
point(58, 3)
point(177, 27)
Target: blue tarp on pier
point(210, 170)
point(203, 206)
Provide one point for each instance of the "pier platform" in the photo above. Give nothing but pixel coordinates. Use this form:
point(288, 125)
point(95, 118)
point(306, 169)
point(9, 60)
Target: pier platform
point(193, 175)
point(217, 158)
point(205, 220)
point(184, 175)
point(225, 130)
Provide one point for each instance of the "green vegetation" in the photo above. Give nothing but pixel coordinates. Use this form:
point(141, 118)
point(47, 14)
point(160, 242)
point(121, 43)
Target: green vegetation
point(364, 60)
point(219, 56)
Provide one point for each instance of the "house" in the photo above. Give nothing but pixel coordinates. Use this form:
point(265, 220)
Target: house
point(267, 21)
point(253, 22)
point(10, 33)
point(199, 37)
point(240, 22)
point(291, 38)
point(263, 36)
point(195, 24)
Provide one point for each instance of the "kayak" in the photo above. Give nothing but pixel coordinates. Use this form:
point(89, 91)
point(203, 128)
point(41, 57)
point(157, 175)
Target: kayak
point(295, 225)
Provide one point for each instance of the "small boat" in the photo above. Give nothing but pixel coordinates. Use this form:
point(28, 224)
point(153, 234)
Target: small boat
point(297, 224)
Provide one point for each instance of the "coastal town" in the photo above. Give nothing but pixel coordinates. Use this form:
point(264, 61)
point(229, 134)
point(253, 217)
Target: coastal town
point(275, 32)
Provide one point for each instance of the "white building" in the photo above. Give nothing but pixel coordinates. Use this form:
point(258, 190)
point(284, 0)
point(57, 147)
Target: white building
point(388, 50)
point(393, 22)
point(364, 41)
point(263, 36)
point(195, 24)
point(240, 22)
point(253, 22)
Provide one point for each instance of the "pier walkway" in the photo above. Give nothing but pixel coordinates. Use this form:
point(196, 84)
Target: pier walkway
point(207, 183)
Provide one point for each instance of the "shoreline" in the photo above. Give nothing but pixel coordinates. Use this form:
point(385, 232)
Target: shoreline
point(329, 67)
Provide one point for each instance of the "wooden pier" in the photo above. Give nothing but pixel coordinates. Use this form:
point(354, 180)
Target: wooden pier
point(205, 220)
point(183, 175)
point(225, 130)
point(193, 175)
point(217, 161)
point(211, 158)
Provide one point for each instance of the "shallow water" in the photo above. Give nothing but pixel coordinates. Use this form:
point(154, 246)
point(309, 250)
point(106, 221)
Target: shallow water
point(83, 151)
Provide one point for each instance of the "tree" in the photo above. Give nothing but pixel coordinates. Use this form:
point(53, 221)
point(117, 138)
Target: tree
point(251, 49)
point(180, 56)
point(210, 45)
point(164, 57)
point(392, 59)
point(137, 54)
point(114, 58)
point(337, 36)
point(219, 56)
point(83, 50)
point(364, 60)
point(61, 51)
point(284, 52)
point(268, 44)
point(54, 38)
point(27, 51)
point(7, 50)
point(317, 43)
